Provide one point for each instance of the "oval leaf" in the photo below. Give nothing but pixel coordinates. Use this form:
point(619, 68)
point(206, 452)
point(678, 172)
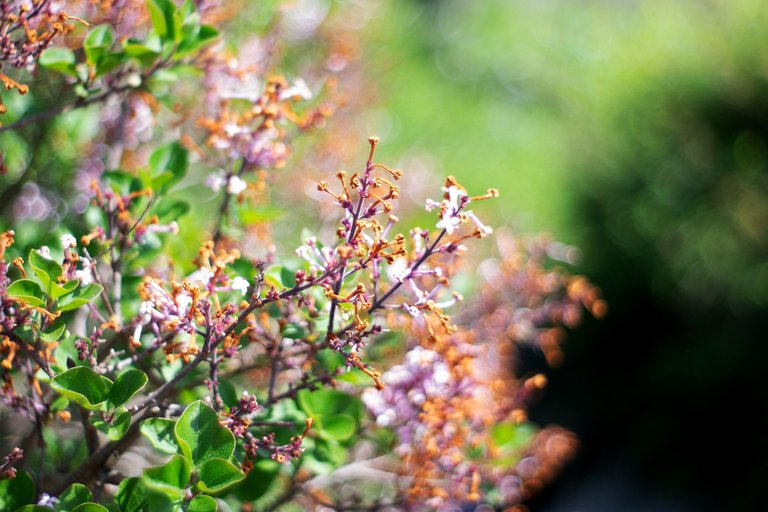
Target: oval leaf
point(131, 495)
point(202, 503)
point(117, 427)
point(58, 291)
point(340, 427)
point(83, 386)
point(201, 436)
point(98, 43)
point(28, 291)
point(173, 475)
point(16, 492)
point(80, 297)
point(126, 385)
point(54, 333)
point(59, 59)
point(74, 495)
point(47, 271)
point(216, 474)
point(160, 432)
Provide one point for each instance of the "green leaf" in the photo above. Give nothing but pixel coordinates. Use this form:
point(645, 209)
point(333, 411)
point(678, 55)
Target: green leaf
point(126, 385)
point(98, 43)
point(330, 451)
point(83, 385)
point(28, 291)
point(160, 432)
point(60, 404)
point(326, 403)
point(131, 495)
point(188, 10)
point(217, 474)
point(168, 165)
point(259, 215)
point(117, 427)
point(335, 413)
point(228, 393)
point(193, 39)
point(109, 61)
point(81, 297)
point(172, 476)
point(293, 331)
point(121, 182)
point(511, 436)
point(169, 500)
point(59, 59)
point(339, 427)
point(67, 351)
point(201, 436)
point(64, 289)
point(74, 495)
point(166, 19)
point(47, 271)
point(90, 507)
point(202, 503)
point(145, 51)
point(16, 492)
point(167, 211)
point(33, 508)
point(54, 333)
point(288, 273)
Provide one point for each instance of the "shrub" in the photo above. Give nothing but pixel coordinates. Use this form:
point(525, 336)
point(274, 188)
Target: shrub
point(135, 380)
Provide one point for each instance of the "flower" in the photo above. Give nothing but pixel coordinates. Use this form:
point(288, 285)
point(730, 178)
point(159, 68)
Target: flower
point(298, 89)
point(240, 284)
point(236, 185)
point(68, 241)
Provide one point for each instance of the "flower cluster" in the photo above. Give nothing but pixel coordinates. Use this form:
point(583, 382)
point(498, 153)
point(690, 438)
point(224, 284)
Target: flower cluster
point(525, 299)
point(26, 29)
point(281, 453)
point(238, 418)
point(6, 468)
point(434, 406)
point(121, 327)
point(457, 403)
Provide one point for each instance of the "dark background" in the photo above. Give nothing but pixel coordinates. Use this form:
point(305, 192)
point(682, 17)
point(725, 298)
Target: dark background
point(637, 131)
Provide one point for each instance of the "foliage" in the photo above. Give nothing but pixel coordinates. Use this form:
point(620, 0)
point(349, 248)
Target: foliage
point(116, 325)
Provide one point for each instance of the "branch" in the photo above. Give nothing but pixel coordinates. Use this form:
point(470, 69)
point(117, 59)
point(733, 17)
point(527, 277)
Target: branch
point(88, 469)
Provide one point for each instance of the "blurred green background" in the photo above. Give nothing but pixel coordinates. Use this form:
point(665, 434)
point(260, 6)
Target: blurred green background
point(638, 131)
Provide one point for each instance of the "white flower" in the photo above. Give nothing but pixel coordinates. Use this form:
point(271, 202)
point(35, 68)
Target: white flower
point(448, 222)
point(68, 241)
point(145, 310)
point(453, 198)
point(482, 227)
point(200, 276)
point(299, 89)
point(431, 205)
point(215, 181)
point(137, 332)
point(45, 252)
point(85, 276)
point(240, 284)
point(386, 418)
point(232, 129)
point(399, 270)
point(172, 227)
point(442, 375)
point(47, 501)
point(183, 300)
point(236, 185)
